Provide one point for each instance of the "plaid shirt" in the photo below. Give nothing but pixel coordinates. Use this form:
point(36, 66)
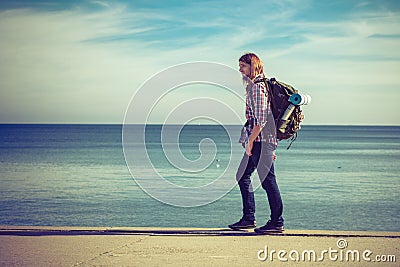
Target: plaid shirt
point(259, 115)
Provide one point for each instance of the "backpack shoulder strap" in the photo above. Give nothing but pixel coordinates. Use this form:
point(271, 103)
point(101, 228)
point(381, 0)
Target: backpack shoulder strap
point(268, 89)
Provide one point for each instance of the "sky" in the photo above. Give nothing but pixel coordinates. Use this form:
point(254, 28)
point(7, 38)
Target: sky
point(83, 61)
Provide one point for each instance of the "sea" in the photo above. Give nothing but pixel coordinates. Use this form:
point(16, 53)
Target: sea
point(331, 178)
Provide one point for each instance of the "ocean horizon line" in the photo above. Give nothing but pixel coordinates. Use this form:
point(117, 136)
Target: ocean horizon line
point(191, 124)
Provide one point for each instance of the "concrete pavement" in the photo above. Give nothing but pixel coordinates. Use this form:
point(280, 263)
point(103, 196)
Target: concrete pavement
point(140, 246)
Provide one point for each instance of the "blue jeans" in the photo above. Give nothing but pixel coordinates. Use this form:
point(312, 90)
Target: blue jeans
point(261, 159)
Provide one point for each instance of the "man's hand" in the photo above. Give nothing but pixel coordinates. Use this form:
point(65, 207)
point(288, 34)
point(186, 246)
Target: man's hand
point(254, 133)
point(301, 117)
point(274, 156)
point(249, 147)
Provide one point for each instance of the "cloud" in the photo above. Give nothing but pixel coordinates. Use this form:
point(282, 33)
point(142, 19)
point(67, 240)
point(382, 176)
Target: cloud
point(83, 65)
point(52, 70)
point(101, 3)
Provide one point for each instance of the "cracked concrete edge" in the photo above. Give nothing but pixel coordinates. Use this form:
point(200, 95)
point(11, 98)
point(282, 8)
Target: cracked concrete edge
point(107, 252)
point(85, 230)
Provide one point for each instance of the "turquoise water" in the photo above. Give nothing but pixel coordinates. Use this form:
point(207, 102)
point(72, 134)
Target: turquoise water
point(333, 177)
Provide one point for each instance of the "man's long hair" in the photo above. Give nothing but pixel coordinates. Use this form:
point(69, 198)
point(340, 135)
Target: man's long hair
point(256, 65)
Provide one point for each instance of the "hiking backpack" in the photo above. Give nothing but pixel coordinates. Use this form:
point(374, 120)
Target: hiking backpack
point(279, 94)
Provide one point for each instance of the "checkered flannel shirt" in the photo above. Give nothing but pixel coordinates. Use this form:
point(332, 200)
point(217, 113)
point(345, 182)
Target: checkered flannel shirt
point(259, 115)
